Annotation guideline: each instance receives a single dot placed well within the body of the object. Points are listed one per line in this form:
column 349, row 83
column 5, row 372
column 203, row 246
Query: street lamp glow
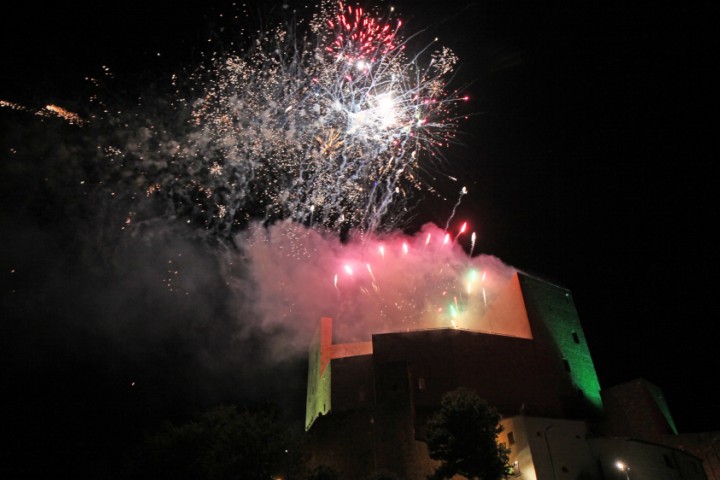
column 623, row 467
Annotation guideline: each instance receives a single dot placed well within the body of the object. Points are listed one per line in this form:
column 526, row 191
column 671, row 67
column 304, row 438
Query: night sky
column 589, row 154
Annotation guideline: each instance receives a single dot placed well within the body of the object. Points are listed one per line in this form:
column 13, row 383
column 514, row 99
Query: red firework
column 358, row 36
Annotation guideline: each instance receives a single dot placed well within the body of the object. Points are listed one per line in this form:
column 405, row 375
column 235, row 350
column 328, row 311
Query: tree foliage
column 222, row 443
column 463, row 436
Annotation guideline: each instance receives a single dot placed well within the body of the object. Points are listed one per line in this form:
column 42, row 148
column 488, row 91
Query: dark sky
column 590, row 160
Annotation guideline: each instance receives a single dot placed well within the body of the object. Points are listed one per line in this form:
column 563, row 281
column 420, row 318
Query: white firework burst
column 329, row 128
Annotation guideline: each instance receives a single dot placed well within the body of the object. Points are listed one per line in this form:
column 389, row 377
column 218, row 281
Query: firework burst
column 360, row 38
column 330, row 128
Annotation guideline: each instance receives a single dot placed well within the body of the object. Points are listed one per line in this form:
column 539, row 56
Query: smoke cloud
column 373, row 284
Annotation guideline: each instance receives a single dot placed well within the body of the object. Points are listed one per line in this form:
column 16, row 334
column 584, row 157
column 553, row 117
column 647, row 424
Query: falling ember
column 13, row 106
column 47, row 111
column 447, row 239
column 370, row 271
column 472, row 243
column 70, row 117
column 405, row 248
column 427, row 240
column 381, row 249
column 335, row 281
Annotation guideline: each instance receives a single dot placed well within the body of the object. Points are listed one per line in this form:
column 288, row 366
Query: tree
column 221, row 444
column 463, row 436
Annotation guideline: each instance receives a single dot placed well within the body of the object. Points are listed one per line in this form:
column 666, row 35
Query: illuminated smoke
column 386, row 283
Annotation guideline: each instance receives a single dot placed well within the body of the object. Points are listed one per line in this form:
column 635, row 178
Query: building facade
column 368, row 402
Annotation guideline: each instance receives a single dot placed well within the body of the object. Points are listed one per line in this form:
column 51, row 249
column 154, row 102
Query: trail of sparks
column 47, row 111
column 463, row 192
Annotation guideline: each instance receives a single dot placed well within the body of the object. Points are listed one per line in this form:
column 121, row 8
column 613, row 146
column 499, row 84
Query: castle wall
column 555, row 324
column 318, row 400
column 382, row 395
column 510, row 373
column 637, row 409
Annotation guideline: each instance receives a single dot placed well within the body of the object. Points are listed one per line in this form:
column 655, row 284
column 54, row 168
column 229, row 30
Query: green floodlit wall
column 318, row 390
column 556, row 309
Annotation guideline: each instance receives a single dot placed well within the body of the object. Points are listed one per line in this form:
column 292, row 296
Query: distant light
column 620, row 465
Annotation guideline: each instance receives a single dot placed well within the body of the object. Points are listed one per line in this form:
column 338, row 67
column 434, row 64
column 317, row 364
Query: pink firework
column 358, row 36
